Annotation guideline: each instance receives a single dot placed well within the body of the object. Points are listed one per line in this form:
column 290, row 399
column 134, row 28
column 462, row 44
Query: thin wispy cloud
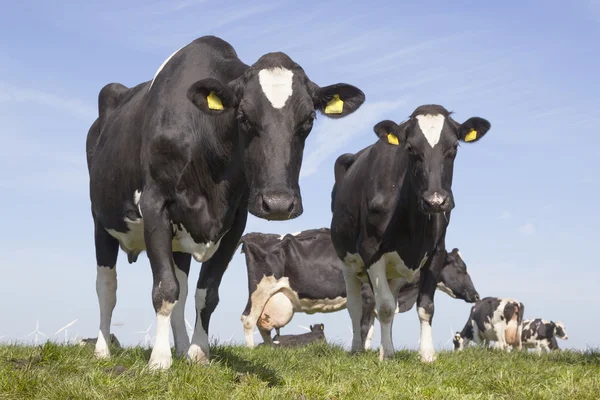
column 14, row 94
column 332, row 135
column 505, row 215
column 527, row 229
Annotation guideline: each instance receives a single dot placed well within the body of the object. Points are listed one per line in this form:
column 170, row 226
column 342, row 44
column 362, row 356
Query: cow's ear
column 389, row 131
column 473, row 129
column 211, row 96
column 337, row 101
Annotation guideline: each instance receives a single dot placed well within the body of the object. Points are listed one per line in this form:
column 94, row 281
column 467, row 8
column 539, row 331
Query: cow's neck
column 212, row 187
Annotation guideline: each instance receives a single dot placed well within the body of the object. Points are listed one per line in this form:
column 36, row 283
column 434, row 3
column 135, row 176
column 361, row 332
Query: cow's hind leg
column 207, row 289
column 107, row 250
column 425, row 304
column 180, row 335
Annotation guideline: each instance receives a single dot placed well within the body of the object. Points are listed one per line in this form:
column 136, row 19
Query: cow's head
column 317, row 328
column 431, row 137
column 274, row 105
column 459, row 342
column 455, row 280
column 559, row 330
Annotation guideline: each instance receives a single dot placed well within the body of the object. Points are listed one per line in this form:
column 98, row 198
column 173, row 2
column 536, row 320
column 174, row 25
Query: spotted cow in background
column 302, row 273
column 541, row 334
column 493, row 319
column 176, row 164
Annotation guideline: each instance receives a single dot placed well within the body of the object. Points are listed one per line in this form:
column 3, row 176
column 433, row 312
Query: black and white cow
column 541, row 334
column 301, row 272
column 208, row 139
column 391, row 206
column 316, row 334
column 493, row 319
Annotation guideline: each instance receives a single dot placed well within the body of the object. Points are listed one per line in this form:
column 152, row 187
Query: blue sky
column 523, row 219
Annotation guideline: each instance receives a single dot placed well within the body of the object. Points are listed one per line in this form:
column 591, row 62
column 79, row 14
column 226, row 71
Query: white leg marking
column 276, row 84
column 199, row 352
column 426, row 349
column 370, row 334
column 354, row 306
column 180, row 336
column 386, row 306
column 249, row 326
column 106, row 289
column 431, row 126
column 161, row 352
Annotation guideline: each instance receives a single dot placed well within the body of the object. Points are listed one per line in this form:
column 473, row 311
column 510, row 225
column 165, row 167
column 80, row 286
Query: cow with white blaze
column 493, row 319
column 176, row 164
column 541, row 335
column 301, row 272
column 391, row 206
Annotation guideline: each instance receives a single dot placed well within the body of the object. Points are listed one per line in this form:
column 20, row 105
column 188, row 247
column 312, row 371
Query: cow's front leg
column 158, row 237
column 385, row 304
column 425, row 305
column 207, row 289
column 354, row 306
column 180, row 335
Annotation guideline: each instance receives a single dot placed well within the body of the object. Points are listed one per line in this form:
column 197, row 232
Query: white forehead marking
column 431, row 126
column 276, row 84
column 162, row 66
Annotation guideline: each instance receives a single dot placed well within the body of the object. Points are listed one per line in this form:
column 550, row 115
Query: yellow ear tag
column 214, row 103
column 393, row 139
column 335, row 106
column 472, row 135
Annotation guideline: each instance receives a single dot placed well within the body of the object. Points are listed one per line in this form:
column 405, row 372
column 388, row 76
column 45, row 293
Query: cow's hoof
column 160, row 361
column 102, row 353
column 197, row 356
column 385, row 355
column 427, row 356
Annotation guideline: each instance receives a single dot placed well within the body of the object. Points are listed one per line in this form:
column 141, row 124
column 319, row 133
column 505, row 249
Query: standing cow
column 541, row 334
column 493, row 319
column 302, row 273
column 391, row 206
column 192, row 151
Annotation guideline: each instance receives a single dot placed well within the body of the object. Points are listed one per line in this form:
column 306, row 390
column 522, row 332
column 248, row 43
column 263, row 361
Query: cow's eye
column 243, row 121
column 411, row 150
column 305, row 127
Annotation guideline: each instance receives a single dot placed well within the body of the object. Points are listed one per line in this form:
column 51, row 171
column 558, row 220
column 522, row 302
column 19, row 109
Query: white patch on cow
column 431, row 126
column 137, row 195
column 426, row 349
column 161, row 352
column 293, row 234
column 385, row 302
column 369, row 337
column 199, row 351
column 106, row 289
column 395, row 266
column 180, row 336
column 276, row 84
column 441, row 286
column 133, row 240
column 561, row 325
column 162, row 66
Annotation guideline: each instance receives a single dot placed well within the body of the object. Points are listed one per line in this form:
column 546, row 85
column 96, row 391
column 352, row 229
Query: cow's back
column 129, row 118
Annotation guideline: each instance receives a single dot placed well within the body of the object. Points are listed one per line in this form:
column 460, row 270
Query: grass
column 318, row 371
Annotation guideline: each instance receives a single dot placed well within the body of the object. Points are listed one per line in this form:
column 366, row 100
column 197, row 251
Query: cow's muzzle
column 277, row 205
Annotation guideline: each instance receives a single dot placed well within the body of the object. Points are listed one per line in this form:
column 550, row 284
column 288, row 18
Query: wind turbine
column 37, row 332
column 146, row 335
column 64, row 328
column 451, row 335
column 304, row 327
